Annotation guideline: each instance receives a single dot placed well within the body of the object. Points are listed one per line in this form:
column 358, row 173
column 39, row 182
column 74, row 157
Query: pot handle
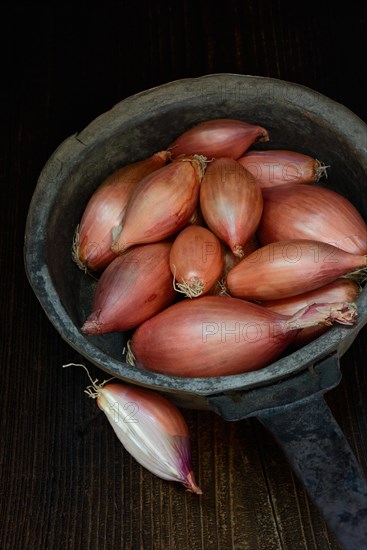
column 323, row 460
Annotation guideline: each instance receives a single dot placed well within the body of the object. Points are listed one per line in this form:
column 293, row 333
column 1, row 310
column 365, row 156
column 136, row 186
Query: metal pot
column 287, row 396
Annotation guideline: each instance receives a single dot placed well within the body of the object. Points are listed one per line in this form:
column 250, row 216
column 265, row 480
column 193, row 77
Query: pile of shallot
column 219, row 256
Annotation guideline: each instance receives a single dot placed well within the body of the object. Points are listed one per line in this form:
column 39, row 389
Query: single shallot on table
column 150, row 428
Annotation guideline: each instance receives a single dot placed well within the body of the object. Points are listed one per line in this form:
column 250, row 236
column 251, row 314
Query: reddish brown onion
column 288, row 268
column 161, row 204
column 218, row 336
column 106, row 209
column 278, row 167
column 134, row 287
column 222, row 137
column 312, row 212
column 196, row 260
column 231, row 203
column 341, row 290
column 150, row 428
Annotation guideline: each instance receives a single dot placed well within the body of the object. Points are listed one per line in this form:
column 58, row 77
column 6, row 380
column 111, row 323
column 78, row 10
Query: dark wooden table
column 66, row 482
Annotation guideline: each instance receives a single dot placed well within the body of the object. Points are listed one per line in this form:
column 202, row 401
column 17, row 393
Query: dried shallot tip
column 289, row 268
column 134, row 287
column 150, row 428
column 218, row 138
column 220, row 336
column 91, row 248
column 231, row 203
column 312, row 212
column 201, row 160
column 196, row 261
column 161, row 205
column 278, row 167
column 192, row 288
column 321, row 170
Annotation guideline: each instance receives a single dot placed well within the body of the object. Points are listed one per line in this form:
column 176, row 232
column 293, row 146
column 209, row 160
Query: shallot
column 277, row 167
column 288, row 268
column 161, row 205
column 341, row 290
column 222, row 137
column 196, row 260
column 106, row 209
column 312, row 212
column 149, row 427
column 231, row 203
column 134, row 287
column 218, row 336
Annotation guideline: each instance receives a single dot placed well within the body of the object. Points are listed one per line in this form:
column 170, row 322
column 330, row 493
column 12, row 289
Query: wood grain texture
column 65, row 481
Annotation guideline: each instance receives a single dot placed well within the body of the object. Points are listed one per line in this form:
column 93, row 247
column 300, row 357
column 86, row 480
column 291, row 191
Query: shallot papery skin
column 221, row 137
column 341, row 290
column 135, row 286
column 106, row 209
column 150, row 428
column 311, row 212
column 161, row 205
column 196, row 261
column 278, row 167
column 231, row 203
column 219, row 336
column 288, row 268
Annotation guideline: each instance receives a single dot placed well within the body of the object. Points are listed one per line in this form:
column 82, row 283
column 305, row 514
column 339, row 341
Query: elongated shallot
column 231, row 203
column 312, row 212
column 161, row 205
column 150, row 428
column 278, row 167
column 218, row 336
column 341, row 290
column 288, row 268
column 134, row 287
column 105, row 210
column 221, row 137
